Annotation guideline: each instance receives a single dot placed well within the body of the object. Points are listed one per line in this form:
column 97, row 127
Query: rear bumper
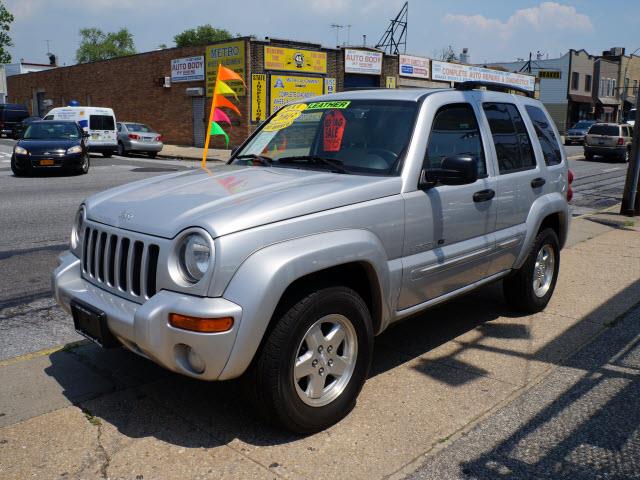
column 616, row 151
column 102, row 148
column 144, row 146
column 144, row 328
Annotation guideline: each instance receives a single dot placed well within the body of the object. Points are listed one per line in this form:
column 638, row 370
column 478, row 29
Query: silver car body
column 272, row 226
column 147, row 141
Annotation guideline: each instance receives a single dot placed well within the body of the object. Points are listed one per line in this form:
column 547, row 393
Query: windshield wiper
column 252, row 156
column 334, row 164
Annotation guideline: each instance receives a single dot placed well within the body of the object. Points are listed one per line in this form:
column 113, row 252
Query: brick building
column 135, row 86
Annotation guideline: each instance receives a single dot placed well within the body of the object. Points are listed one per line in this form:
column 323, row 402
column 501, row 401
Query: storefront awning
column 580, row 98
column 608, row 101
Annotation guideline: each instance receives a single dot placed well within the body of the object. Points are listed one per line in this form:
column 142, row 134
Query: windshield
column 139, row 127
column 355, row 136
column 583, row 124
column 51, row 131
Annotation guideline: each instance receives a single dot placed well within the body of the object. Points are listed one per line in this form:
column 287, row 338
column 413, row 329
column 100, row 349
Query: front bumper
column 574, row 138
column 616, row 151
column 144, row 328
column 59, row 161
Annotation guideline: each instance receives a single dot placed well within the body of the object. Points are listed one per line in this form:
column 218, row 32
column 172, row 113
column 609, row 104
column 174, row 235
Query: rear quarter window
column 608, row 130
column 546, row 135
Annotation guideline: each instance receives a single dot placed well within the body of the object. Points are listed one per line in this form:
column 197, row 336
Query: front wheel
column 626, row 156
column 18, row 171
column 108, row 154
column 315, row 361
column 83, row 168
column 121, row 151
column 588, row 156
column 530, row 288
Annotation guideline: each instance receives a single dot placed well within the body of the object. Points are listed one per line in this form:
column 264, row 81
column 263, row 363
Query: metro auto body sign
column 362, row 61
column 417, row 67
column 188, row 69
column 453, row 72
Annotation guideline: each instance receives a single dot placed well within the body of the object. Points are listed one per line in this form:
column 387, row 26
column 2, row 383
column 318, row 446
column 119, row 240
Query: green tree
column 5, row 40
column 96, row 45
column 202, row 35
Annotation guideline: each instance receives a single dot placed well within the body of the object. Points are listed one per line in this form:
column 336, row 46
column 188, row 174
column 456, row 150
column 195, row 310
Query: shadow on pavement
column 140, row 399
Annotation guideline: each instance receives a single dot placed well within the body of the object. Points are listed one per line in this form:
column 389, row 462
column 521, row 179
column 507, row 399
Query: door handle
column 483, row 195
column 538, row 182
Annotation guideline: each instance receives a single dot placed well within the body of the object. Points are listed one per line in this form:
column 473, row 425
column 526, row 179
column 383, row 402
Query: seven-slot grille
column 120, row 263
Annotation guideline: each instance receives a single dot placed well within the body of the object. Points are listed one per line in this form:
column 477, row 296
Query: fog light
column 195, row 361
column 202, row 325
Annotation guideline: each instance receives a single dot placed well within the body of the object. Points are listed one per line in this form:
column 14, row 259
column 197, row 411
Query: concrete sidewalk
column 194, row 153
column 82, row 412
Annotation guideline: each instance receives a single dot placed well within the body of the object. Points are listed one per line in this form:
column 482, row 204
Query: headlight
column 20, row 151
column 74, row 149
column 76, row 231
column 195, row 257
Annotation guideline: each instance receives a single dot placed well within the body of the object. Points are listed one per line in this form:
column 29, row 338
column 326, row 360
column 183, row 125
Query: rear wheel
column 152, row 154
column 121, row 151
column 530, row 288
column 588, row 156
column 108, row 154
column 315, row 360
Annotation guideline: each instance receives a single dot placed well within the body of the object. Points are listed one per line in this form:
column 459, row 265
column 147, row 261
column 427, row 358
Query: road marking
column 42, row 353
column 612, row 169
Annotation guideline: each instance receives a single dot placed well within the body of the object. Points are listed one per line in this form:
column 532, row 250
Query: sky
column 492, row 30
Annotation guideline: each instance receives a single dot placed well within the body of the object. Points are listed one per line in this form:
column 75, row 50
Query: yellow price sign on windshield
column 285, row 117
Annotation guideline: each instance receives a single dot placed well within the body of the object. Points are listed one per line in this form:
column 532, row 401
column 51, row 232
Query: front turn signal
column 201, row 325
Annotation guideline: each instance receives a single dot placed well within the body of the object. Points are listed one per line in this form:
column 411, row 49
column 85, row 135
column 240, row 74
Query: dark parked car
column 19, row 128
column 51, row 145
column 10, row 115
column 577, row 133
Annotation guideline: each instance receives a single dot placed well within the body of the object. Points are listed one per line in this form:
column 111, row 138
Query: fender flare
column 262, row 279
column 542, row 208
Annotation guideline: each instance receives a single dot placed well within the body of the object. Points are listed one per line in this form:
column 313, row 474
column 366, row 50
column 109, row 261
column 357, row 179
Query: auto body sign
column 189, row 69
column 362, row 61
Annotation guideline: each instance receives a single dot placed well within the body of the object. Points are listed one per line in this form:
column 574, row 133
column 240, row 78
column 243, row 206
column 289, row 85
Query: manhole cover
column 153, row 169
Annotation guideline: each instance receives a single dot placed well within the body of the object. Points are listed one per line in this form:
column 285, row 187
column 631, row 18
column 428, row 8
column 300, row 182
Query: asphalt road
column 36, row 216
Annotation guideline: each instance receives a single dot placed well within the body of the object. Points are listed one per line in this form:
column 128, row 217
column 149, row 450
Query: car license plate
column 600, row 142
column 46, row 163
column 92, row 323
column 95, row 136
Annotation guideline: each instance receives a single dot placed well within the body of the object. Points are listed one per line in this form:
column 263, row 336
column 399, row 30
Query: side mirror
column 85, row 134
column 457, row 170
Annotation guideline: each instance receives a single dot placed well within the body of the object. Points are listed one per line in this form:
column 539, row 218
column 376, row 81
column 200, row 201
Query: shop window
column 587, row 83
column 455, row 132
column 546, row 135
column 510, row 137
column 575, row 80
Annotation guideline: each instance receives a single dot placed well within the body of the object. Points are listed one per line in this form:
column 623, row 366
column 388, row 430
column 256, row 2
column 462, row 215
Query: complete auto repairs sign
column 231, row 55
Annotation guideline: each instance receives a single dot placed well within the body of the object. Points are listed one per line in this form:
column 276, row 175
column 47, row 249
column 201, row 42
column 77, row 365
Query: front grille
column 120, row 263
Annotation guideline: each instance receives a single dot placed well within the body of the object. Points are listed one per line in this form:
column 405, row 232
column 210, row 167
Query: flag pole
column 213, row 107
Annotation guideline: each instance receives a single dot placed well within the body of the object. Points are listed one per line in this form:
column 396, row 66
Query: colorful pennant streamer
column 219, row 100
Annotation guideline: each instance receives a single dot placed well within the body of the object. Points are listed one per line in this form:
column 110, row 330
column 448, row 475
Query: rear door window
column 510, row 137
column 101, row 122
column 455, row 132
column 546, row 136
column 607, row 130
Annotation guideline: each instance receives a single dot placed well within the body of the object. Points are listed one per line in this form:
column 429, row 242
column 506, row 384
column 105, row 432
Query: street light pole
column 630, row 201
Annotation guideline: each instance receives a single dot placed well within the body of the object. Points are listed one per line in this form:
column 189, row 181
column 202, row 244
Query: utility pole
column 630, row 198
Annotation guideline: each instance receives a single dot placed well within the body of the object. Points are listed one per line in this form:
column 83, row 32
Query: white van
column 98, row 122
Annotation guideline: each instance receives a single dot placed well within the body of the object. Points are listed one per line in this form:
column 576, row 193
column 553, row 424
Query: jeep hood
column 230, row 198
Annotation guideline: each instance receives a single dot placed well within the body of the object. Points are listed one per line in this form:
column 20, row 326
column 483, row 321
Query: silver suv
column 609, row 140
column 336, row 218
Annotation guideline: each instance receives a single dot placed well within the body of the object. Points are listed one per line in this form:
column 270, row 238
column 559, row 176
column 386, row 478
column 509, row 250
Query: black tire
column 567, row 142
column 121, row 151
column 270, row 378
column 83, row 168
column 626, row 156
column 17, row 171
column 518, row 287
column 107, row 154
column 588, row 156
column 152, row 154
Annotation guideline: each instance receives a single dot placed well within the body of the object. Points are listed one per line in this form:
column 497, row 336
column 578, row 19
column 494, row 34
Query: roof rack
column 473, row 84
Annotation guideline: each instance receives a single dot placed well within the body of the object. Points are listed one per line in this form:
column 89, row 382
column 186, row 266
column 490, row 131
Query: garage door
column 199, row 132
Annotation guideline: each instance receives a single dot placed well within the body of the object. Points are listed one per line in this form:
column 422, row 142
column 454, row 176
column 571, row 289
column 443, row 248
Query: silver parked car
column 138, row 138
column 609, row 140
column 338, row 217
